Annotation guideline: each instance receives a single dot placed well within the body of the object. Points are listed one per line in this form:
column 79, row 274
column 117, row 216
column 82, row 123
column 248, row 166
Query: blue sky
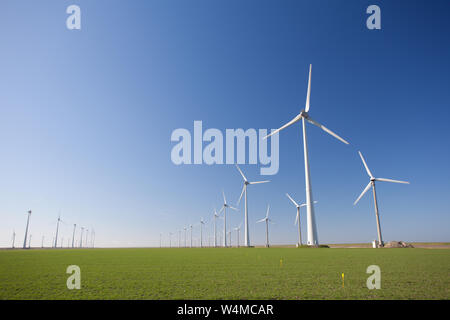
column 86, row 115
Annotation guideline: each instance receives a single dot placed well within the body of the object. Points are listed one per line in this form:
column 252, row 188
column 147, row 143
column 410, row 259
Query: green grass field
column 245, row 273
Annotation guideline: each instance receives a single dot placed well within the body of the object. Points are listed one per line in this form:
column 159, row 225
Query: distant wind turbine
column 216, row 215
column 297, row 218
column 202, row 222
column 224, row 209
column 266, row 220
column 13, row 238
column 81, row 237
column 26, row 230
column 313, row 238
column 191, row 226
column 238, row 229
column 372, row 184
column 244, row 191
column 73, row 235
column 57, row 228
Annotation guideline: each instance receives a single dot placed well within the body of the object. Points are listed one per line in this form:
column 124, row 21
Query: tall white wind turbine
column 267, row 220
column 297, row 218
column 224, row 208
column 372, row 184
column 313, row 238
column 185, row 232
column 191, row 226
column 26, row 230
column 244, row 192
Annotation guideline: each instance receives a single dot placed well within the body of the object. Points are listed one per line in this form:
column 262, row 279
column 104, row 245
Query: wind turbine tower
column 26, row 230
column 313, row 239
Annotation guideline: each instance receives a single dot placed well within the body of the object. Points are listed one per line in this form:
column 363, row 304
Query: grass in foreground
column 208, row 273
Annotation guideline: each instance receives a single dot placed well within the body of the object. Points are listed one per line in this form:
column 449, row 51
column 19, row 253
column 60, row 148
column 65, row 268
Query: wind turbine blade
column 364, row 191
column 256, row 182
column 242, row 174
column 297, row 118
column 326, row 129
column 365, row 165
column 262, row 220
column 242, row 193
column 221, row 209
column 233, row 208
column 224, row 199
column 308, row 94
column 267, row 214
column 390, row 180
column 295, row 203
column 296, row 218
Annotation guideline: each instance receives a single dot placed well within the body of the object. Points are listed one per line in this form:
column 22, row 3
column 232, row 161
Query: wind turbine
column 372, row 184
column 297, row 218
column 216, row 215
column 81, row 237
column 170, row 239
column 238, row 229
column 86, row 241
column 57, row 228
column 244, row 191
column 202, row 222
column 26, row 230
column 267, row 220
column 191, row 226
column 73, row 236
column 224, row 208
column 13, row 238
column 185, row 243
column 304, row 116
column 29, row 243
column 229, row 236
column 42, row 244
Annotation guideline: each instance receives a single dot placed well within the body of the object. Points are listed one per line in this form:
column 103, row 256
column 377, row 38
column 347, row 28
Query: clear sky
column 86, row 116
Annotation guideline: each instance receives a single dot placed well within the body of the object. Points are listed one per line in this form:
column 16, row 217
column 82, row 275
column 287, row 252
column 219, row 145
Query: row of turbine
column 312, row 236
column 88, row 243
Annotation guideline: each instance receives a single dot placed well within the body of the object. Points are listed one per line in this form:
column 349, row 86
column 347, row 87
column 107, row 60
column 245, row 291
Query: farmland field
column 231, row 273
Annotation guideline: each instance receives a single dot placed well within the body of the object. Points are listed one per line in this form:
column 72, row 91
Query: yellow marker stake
column 342, row 280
